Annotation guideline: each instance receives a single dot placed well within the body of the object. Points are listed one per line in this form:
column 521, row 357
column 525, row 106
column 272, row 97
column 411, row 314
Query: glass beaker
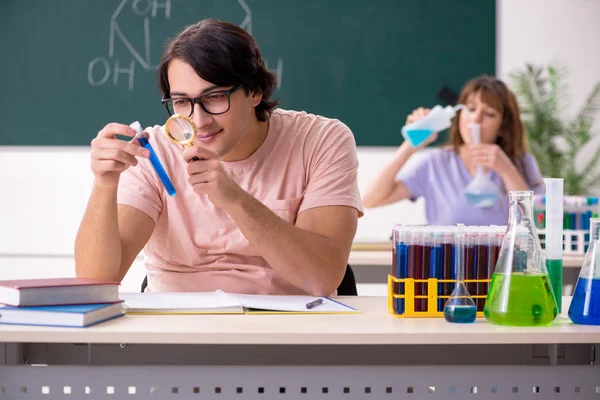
column 520, row 293
column 460, row 307
column 585, row 305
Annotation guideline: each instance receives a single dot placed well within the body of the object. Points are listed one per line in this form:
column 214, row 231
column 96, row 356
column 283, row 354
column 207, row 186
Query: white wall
column 47, row 193
column 45, row 190
column 547, row 31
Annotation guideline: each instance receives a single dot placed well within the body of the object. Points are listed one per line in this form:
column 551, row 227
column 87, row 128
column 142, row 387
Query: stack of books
column 70, row 302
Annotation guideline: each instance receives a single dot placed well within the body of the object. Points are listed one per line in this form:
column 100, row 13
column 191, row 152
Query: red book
column 58, row 291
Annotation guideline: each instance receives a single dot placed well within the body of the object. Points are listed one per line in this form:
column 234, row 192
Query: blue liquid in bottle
column 418, row 136
column 460, row 314
column 162, row 174
column 585, row 306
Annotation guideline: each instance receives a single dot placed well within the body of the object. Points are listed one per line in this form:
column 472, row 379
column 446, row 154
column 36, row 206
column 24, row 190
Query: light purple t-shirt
column 440, row 176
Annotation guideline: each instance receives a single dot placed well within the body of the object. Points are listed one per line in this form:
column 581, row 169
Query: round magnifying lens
column 181, row 130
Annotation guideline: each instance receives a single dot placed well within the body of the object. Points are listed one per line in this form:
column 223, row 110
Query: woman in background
column 441, row 175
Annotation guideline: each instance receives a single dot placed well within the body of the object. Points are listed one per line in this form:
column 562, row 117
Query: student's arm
column 385, row 189
column 110, row 236
column 312, row 252
column 512, row 179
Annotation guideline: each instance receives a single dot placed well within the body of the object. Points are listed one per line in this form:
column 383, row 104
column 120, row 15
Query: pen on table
column 314, row 303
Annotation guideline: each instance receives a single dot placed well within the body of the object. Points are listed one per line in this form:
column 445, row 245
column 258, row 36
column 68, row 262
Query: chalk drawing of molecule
column 101, row 69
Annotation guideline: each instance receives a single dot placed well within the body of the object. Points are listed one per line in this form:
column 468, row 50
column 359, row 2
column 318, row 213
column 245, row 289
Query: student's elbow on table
column 95, row 274
column 326, row 287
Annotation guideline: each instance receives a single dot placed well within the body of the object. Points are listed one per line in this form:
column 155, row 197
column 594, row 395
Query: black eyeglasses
column 213, row 103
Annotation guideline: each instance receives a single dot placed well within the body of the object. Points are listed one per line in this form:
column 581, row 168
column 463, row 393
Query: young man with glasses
column 267, row 199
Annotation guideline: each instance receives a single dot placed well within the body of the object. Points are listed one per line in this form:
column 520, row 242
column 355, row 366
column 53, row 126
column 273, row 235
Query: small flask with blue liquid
column 460, row 307
column 585, row 305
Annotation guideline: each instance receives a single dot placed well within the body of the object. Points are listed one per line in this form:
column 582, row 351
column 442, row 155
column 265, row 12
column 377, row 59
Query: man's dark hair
column 225, row 55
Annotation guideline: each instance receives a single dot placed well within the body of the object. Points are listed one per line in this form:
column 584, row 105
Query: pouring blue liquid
column 418, row 136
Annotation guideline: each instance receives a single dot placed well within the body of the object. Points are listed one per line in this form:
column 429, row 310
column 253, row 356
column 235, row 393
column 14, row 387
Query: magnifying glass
column 181, row 130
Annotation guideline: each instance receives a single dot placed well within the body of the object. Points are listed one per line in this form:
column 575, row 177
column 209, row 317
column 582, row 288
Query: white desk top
column 374, row 326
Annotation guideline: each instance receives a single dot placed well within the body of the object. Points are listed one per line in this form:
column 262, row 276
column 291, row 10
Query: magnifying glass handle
column 187, row 146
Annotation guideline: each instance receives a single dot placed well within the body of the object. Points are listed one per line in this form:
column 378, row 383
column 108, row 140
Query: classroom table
column 369, row 355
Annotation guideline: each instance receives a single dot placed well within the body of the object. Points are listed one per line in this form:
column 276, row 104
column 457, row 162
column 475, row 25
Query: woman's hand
column 489, row 156
column 415, row 116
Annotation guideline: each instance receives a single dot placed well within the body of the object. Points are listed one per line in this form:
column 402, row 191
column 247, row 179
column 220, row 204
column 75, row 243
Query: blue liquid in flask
column 482, row 199
column 460, row 307
column 585, row 306
column 460, row 314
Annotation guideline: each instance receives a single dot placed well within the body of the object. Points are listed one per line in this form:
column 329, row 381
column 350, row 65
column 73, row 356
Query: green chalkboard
column 71, row 66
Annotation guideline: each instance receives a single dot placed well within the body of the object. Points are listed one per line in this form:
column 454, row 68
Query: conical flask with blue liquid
column 460, row 307
column 585, row 305
column 520, row 293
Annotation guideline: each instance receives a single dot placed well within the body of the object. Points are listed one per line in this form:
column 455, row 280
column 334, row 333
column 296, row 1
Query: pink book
column 58, row 291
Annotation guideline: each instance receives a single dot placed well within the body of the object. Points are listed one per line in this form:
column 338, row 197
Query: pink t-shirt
column 306, row 161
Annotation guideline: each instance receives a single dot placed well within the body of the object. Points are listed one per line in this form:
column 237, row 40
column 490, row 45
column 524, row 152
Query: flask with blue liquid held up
column 438, row 119
column 481, row 192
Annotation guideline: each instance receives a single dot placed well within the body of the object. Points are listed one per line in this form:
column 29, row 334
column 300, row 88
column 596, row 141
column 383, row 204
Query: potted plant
column 555, row 140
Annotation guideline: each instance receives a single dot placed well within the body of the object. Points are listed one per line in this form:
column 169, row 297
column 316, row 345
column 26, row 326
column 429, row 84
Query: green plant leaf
column 542, row 93
column 591, row 106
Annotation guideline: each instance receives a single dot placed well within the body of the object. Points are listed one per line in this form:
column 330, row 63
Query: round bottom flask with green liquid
column 520, row 293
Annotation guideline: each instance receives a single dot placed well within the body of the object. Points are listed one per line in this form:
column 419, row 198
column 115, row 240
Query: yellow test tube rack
column 432, row 296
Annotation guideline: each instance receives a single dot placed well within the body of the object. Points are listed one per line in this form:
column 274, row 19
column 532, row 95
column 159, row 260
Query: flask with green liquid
column 520, row 293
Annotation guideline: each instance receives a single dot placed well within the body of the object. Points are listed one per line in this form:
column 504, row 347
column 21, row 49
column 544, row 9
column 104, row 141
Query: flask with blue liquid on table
column 585, row 305
column 460, row 307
